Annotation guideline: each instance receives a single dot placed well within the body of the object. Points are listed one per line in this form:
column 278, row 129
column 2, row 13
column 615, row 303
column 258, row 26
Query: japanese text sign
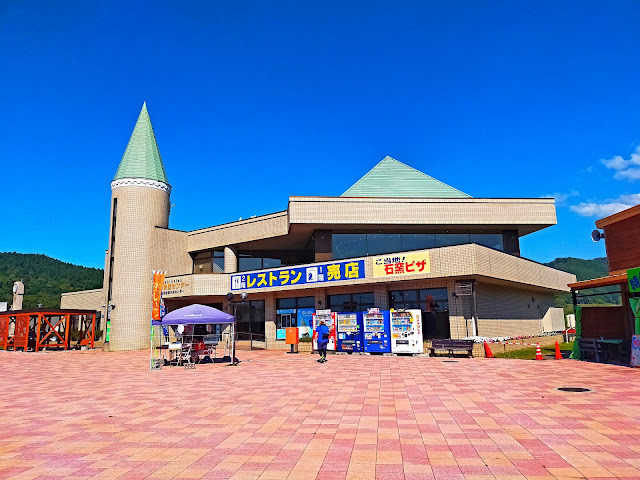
column 284, row 277
column 397, row 264
column 633, row 276
column 158, row 281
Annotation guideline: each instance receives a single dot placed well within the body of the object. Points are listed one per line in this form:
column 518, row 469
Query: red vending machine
column 329, row 319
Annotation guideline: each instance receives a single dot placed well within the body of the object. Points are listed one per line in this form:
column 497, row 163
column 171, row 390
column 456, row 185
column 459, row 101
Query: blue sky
column 252, row 102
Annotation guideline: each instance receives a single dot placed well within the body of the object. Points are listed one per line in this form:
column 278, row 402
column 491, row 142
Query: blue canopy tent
column 196, row 315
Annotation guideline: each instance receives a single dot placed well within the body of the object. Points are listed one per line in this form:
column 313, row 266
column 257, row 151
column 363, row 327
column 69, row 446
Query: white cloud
column 625, row 169
column 608, row 207
column 628, row 174
column 561, row 198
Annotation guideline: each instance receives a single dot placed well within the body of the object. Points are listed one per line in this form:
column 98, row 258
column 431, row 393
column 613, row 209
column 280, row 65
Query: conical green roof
column 142, row 158
column 391, row 178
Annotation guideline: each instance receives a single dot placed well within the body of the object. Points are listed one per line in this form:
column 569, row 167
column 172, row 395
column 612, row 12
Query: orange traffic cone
column 558, row 354
column 487, row 351
column 538, row 352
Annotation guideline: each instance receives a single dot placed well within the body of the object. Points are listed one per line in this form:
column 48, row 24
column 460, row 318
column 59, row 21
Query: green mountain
column 44, row 278
column 586, row 270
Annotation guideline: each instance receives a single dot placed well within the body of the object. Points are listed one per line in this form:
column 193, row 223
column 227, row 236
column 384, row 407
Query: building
column 614, row 321
column 396, row 239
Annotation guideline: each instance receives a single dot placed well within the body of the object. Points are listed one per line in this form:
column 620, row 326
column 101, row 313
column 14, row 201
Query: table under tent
column 191, row 335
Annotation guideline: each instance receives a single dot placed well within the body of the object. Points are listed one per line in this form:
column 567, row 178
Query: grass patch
column 530, row 353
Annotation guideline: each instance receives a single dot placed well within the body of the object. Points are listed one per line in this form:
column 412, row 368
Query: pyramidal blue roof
column 391, row 178
column 142, row 157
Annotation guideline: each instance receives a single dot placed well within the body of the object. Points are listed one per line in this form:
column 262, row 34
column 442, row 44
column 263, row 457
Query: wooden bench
column 452, row 346
column 590, row 349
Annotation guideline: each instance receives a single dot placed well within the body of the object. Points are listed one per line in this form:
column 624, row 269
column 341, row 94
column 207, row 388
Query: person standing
column 322, row 332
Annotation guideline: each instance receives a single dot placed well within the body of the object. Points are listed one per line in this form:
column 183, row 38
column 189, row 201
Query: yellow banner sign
column 398, row 264
column 158, row 281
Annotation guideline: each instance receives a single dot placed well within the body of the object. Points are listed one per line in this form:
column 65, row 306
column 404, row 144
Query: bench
column 452, row 346
column 590, row 349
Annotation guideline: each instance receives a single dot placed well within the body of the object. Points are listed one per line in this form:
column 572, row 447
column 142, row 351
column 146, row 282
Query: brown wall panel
column 621, row 241
column 607, row 322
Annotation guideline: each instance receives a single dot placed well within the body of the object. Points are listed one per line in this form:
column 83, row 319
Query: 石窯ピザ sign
column 399, row 264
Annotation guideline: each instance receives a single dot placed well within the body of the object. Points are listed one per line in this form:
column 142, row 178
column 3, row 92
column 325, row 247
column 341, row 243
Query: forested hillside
column 586, row 270
column 44, row 278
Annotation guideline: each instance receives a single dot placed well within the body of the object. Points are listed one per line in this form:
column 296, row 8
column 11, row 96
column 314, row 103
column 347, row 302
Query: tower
column 139, row 203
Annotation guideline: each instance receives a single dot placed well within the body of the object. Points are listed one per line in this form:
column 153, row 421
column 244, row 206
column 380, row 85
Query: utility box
column 291, row 337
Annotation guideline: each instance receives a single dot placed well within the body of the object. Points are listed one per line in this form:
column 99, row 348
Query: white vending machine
column 406, row 331
column 330, row 321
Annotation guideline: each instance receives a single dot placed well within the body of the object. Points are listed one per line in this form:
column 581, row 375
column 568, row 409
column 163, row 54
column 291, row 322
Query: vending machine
column 377, row 331
column 349, row 332
column 406, row 331
column 329, row 319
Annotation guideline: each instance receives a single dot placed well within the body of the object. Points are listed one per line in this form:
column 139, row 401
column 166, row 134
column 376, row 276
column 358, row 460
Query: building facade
column 397, row 238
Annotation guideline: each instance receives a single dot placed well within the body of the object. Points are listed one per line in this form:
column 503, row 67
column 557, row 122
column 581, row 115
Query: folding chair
column 186, row 358
column 175, row 353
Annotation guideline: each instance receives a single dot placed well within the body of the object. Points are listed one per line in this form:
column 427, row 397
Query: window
column 351, row 302
column 434, row 304
column 449, row 239
column 218, row 262
column 349, row 245
column 250, row 317
column 294, row 312
column 263, row 259
column 379, row 243
column 208, row 262
column 418, row 241
column 491, row 240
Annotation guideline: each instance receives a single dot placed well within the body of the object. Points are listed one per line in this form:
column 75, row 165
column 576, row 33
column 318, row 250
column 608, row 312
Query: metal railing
column 251, row 341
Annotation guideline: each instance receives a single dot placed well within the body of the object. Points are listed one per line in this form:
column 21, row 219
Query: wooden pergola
column 51, row 328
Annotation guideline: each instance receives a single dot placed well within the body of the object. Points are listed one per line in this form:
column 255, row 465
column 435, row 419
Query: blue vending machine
column 377, row 331
column 349, row 332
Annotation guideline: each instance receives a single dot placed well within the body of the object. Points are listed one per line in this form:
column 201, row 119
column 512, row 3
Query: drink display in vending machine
column 377, row 338
column 406, row 331
column 330, row 321
column 349, row 332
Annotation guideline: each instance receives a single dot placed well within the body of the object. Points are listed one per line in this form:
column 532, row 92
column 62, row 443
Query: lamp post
column 230, row 301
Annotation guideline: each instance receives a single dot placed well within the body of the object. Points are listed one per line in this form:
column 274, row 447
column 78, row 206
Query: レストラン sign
column 331, row 272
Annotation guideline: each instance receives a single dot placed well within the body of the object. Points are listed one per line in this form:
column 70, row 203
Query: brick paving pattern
column 78, row 415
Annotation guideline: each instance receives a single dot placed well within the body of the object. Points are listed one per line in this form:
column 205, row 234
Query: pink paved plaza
column 91, row 414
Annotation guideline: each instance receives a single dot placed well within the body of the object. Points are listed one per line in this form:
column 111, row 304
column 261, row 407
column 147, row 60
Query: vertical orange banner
column 158, row 282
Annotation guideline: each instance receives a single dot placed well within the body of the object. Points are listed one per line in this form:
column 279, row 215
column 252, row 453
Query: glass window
column 285, row 303
column 378, row 243
column 492, row 240
column 448, row 239
column 271, row 262
column 418, row 241
column 248, row 262
column 349, row 245
column 434, row 304
column 306, row 302
column 218, row 262
column 257, row 316
column 356, row 302
column 202, row 263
